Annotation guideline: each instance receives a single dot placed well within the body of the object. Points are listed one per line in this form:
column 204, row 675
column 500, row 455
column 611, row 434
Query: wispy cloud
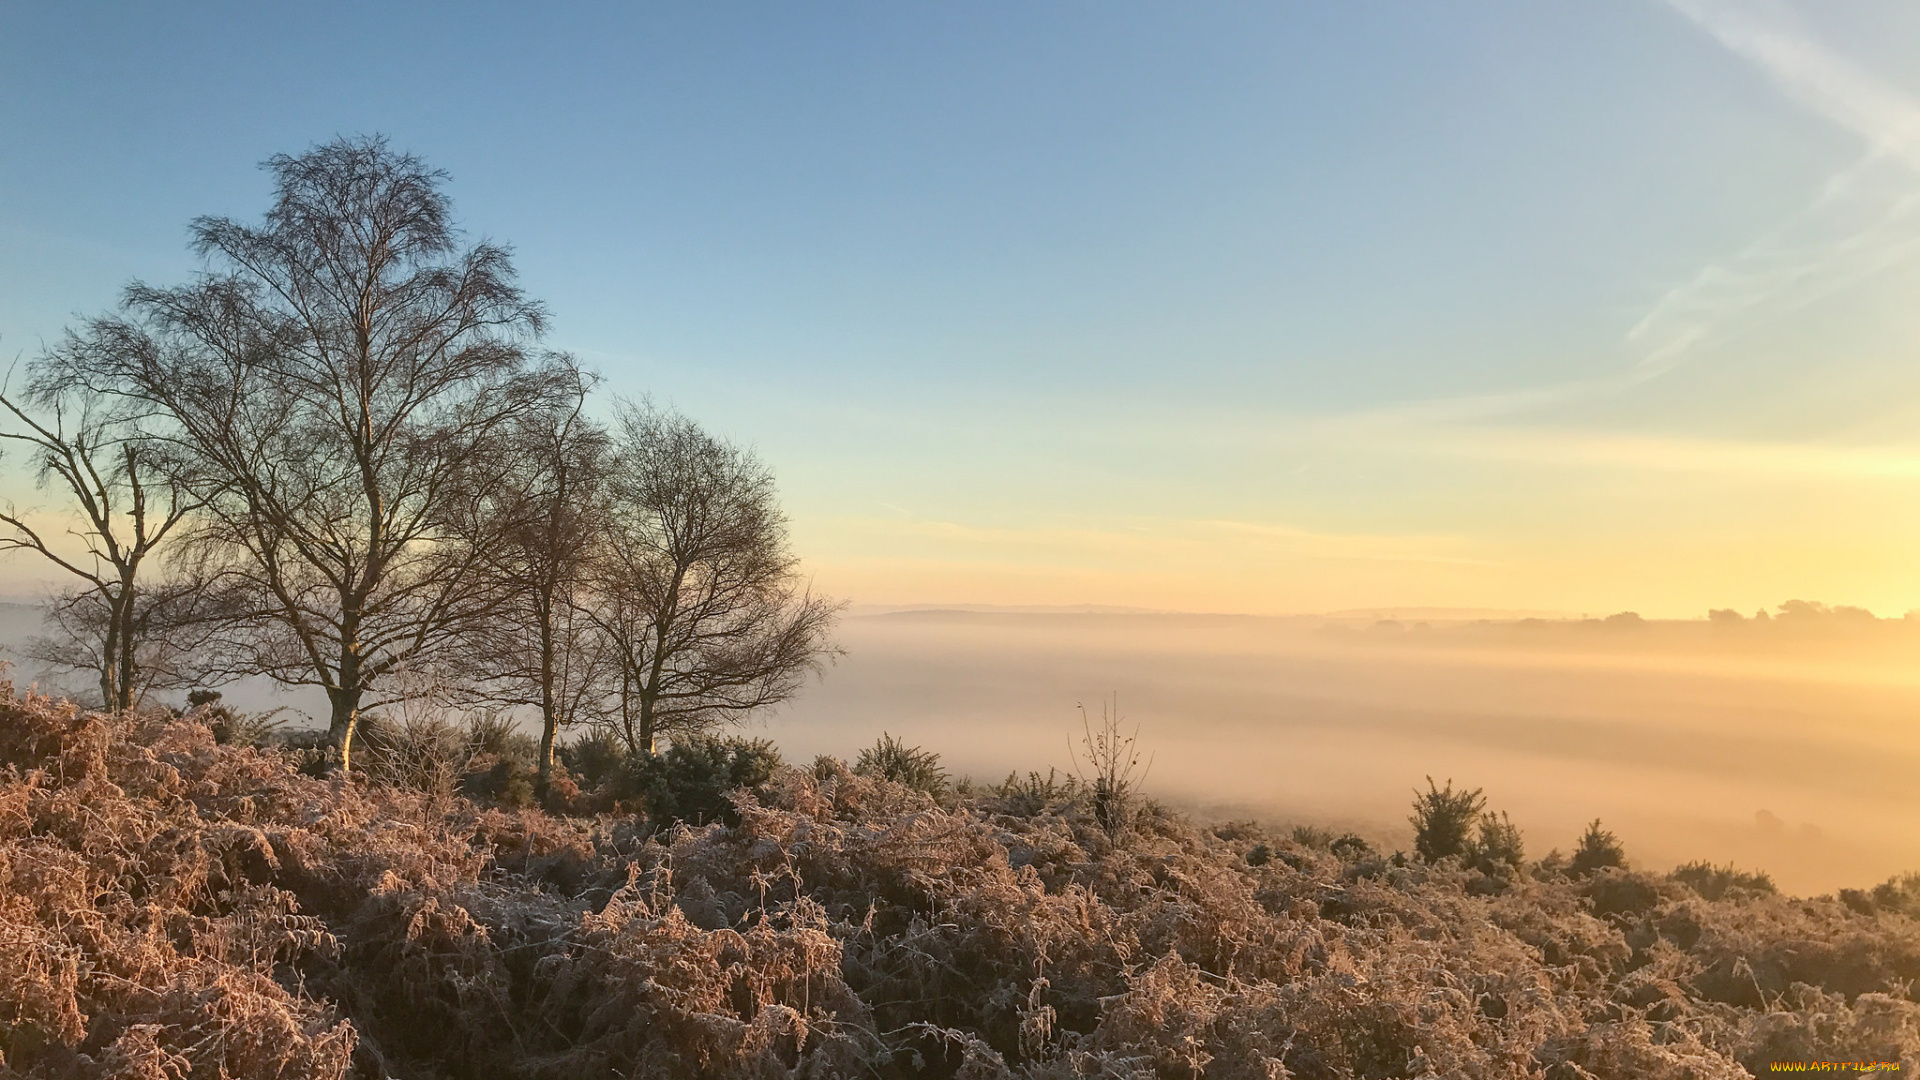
column 1861, row 222
column 1813, row 74
column 1864, row 220
column 1822, row 250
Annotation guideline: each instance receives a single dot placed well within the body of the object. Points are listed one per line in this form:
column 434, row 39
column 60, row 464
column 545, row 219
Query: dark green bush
column 597, row 757
column 1896, row 895
column 1599, row 849
column 229, row 725
column 1237, row 830
column 495, row 733
column 691, row 781
column 1717, row 882
column 1032, row 796
column 1552, row 865
column 307, row 748
column 1497, row 850
column 1313, row 836
column 891, row 759
column 1351, row 848
column 1622, row 893
column 1443, row 820
column 509, row 783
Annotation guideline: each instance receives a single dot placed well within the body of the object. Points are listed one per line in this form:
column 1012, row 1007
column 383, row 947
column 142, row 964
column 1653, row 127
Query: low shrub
column 1898, row 895
column 694, row 780
column 1496, row 849
column 1622, row 894
column 427, row 753
column 506, row 782
column 496, row 734
column 596, row 757
column 1114, row 769
column 1718, row 882
column 1443, row 820
column 1034, row 794
column 1598, row 850
column 1351, row 848
column 891, row 759
column 231, row 726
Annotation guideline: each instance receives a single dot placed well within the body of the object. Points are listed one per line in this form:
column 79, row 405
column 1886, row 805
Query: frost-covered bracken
column 170, row 908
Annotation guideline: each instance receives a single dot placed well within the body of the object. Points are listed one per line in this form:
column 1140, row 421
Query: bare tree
column 699, row 597
column 536, row 531
column 335, row 384
column 167, row 624
column 127, row 507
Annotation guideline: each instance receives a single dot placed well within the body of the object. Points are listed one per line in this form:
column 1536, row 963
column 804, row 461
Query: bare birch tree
column 336, row 381
column 536, row 531
column 699, row 596
column 126, row 506
column 169, row 621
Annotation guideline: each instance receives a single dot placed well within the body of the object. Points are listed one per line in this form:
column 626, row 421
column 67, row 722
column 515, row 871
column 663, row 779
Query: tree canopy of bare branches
column 537, row 531
column 127, row 506
column 699, row 597
column 335, row 385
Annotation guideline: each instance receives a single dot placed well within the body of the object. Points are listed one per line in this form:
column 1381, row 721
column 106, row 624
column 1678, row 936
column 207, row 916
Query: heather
column 174, row 904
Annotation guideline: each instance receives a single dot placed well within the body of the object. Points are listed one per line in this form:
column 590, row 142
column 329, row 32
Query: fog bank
column 1790, row 746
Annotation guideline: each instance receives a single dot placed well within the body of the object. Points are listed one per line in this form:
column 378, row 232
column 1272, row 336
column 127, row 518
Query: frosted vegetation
column 175, row 902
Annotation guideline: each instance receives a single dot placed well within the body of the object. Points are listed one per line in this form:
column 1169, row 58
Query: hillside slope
column 170, row 907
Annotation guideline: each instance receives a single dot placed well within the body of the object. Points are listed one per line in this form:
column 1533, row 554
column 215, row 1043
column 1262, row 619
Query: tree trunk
column 125, row 660
column 650, row 689
column 549, row 709
column 345, row 692
column 345, row 696
column 626, row 708
column 110, row 657
column 549, row 725
column 646, row 723
column 543, row 778
column 123, row 679
column 344, row 723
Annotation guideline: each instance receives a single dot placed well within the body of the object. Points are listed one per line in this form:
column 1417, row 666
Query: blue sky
column 1283, row 307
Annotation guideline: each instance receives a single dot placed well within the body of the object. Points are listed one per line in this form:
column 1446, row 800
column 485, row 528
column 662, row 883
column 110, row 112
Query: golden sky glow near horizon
column 1663, row 540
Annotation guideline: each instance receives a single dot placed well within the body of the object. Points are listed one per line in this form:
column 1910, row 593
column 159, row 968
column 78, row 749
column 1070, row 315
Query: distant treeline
column 1791, row 614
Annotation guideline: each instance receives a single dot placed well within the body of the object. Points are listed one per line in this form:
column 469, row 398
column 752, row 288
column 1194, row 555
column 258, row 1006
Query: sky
column 1583, row 307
